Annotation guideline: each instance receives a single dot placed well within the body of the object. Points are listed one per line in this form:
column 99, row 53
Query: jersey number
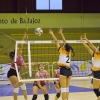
column 68, row 60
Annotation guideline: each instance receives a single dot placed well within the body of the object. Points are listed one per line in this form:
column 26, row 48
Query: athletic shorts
column 65, row 71
column 96, row 74
column 41, row 83
column 11, row 72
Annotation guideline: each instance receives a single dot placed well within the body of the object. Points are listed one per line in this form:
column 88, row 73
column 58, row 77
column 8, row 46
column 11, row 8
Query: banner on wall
column 80, row 68
column 43, row 20
column 3, row 71
column 48, row 20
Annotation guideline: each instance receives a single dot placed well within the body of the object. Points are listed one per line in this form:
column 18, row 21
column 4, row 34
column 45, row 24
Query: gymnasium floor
column 79, row 90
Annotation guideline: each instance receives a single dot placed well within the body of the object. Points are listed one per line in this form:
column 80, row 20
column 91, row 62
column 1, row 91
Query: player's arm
column 48, row 81
column 86, row 46
column 24, row 37
column 38, row 82
column 90, row 44
column 34, row 63
column 54, row 75
column 25, row 65
column 54, row 38
column 47, row 76
column 62, row 35
column 21, row 45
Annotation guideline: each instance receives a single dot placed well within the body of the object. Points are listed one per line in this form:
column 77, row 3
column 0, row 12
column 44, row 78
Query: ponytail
column 12, row 54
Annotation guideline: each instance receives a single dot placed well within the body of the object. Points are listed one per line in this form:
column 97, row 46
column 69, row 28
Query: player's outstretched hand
column 50, row 31
column 60, row 31
column 34, row 63
column 85, row 36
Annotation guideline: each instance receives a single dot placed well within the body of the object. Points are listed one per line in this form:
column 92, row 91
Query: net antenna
column 27, row 23
column 81, row 59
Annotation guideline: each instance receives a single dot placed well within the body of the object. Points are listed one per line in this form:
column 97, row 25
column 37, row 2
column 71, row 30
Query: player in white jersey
column 41, row 73
column 64, row 63
column 95, row 53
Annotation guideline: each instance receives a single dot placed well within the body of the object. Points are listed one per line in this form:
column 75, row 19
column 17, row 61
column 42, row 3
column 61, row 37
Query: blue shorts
column 65, row 71
column 96, row 74
column 11, row 72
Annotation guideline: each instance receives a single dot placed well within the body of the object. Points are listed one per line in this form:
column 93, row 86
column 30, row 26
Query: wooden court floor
column 88, row 95
column 72, row 96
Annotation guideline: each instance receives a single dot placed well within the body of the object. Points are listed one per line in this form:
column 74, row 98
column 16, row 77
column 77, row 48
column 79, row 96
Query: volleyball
column 38, row 31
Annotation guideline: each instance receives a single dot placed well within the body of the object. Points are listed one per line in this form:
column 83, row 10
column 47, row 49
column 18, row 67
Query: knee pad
column 34, row 97
column 96, row 91
column 58, row 95
column 63, row 90
column 46, row 96
column 16, row 90
column 23, row 87
column 67, row 89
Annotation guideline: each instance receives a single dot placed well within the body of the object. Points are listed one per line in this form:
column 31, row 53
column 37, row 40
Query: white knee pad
column 16, row 90
column 67, row 89
column 63, row 90
column 23, row 87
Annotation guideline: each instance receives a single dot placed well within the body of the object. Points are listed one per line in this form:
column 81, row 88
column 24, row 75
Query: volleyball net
column 45, row 52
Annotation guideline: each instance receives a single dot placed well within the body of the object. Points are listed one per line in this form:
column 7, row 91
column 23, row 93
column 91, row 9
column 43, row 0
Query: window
column 55, row 4
column 42, row 4
column 48, row 4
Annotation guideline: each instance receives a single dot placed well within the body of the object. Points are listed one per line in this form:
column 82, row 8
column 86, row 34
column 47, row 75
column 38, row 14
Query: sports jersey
column 57, row 72
column 96, row 62
column 41, row 76
column 19, row 62
column 64, row 58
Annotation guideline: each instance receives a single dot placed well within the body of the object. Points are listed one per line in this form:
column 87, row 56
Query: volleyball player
column 12, row 75
column 57, row 83
column 64, row 63
column 95, row 53
column 40, row 74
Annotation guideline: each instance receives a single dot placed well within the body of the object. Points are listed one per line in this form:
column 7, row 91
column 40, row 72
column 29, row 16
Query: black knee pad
column 46, row 96
column 34, row 97
column 96, row 91
column 58, row 95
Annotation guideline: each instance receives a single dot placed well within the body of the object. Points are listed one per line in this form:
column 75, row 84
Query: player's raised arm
column 23, row 38
column 89, row 43
column 19, row 52
column 61, row 33
column 54, row 38
column 86, row 46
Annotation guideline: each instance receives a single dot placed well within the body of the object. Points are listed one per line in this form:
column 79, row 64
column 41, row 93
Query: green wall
column 74, row 25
